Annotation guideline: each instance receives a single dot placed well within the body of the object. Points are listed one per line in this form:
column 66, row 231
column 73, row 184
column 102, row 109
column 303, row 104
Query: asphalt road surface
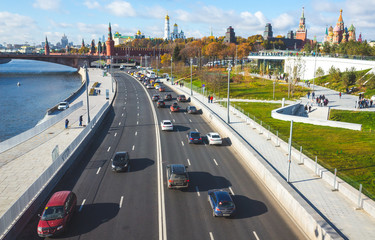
column 137, row 204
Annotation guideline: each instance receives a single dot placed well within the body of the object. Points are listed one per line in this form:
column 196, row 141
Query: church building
column 340, row 33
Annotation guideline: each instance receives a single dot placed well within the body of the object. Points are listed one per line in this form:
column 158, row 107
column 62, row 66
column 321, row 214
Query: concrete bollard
column 334, row 181
column 316, row 166
column 261, row 128
column 300, row 157
column 269, row 133
column 359, row 206
column 277, row 139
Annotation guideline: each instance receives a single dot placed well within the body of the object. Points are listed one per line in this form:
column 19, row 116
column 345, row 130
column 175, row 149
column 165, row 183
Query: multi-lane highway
column 137, row 205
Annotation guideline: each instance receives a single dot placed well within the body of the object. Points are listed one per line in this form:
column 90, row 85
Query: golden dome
column 166, row 17
column 175, row 24
column 138, row 32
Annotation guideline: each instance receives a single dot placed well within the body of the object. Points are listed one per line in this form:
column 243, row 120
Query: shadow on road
column 139, row 164
column 205, row 181
column 246, row 207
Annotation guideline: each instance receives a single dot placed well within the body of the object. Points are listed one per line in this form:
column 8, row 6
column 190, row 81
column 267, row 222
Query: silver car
column 214, row 138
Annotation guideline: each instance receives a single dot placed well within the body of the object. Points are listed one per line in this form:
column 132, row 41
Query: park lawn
column 351, row 152
column 367, row 119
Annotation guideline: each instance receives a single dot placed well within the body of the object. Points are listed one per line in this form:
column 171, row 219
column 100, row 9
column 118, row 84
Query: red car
column 161, row 89
column 175, row 107
column 57, row 213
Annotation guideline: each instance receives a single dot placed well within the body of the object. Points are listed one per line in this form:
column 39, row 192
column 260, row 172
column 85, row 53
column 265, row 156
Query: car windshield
column 51, row 213
column 119, row 159
column 195, row 135
column 167, row 123
column 192, row 108
column 215, row 136
column 226, row 204
column 62, row 104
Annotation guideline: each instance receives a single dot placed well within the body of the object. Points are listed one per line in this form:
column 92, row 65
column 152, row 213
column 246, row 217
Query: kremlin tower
column 46, row 47
column 302, row 32
column 110, row 43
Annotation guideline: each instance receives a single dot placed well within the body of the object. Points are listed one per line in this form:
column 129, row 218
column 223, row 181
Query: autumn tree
column 165, row 60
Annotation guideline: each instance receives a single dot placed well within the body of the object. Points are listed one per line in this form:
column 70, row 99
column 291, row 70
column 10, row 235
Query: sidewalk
column 21, row 165
column 354, row 224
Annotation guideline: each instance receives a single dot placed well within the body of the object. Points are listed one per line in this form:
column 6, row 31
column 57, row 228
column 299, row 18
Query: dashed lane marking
column 109, row 148
column 119, row 123
column 211, row 236
column 215, row 162
column 121, row 199
column 133, row 147
column 174, row 120
column 83, row 203
column 137, row 122
column 136, row 133
column 115, row 134
column 182, row 143
column 188, row 161
column 255, row 234
column 196, row 130
column 197, row 189
column 122, row 115
column 97, row 172
column 190, row 120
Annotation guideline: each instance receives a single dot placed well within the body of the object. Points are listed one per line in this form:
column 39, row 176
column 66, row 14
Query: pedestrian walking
column 313, row 95
column 308, row 94
column 212, row 98
column 340, row 95
column 66, row 123
column 80, row 120
column 209, row 98
column 99, row 91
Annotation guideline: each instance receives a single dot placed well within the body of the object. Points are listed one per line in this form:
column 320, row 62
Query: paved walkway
column 354, row 224
column 24, row 163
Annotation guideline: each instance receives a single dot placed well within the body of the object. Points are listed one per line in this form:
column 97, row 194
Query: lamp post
column 191, row 77
column 316, row 49
column 290, row 149
column 229, row 69
column 171, row 70
column 87, row 93
column 112, row 73
column 274, row 83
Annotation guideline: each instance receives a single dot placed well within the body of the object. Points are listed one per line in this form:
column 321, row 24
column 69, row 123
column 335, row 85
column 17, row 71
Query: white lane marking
column 122, row 115
column 184, row 112
column 136, row 133
column 216, row 162
column 190, row 120
column 211, row 236
column 83, row 203
column 196, row 188
column 124, row 108
column 170, row 113
column 115, row 134
column 122, row 199
column 255, row 234
column 230, row 189
column 97, row 172
column 119, row 123
column 133, row 147
column 137, row 122
column 174, row 120
column 196, row 130
column 188, row 161
column 109, row 148
column 138, row 107
column 138, row 114
column 182, row 143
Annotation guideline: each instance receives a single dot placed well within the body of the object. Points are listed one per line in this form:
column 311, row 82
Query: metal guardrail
column 12, row 215
column 20, row 138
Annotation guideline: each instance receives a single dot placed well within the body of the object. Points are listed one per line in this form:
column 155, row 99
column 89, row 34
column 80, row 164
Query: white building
column 166, row 28
column 172, row 35
column 175, row 34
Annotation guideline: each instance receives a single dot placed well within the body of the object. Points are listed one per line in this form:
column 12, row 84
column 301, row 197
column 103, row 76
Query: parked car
column 155, row 97
column 168, row 97
column 120, row 161
column 160, row 103
column 221, row 203
column 214, row 138
column 194, row 137
column 177, row 176
column 175, row 107
column 161, row 89
column 63, row 105
column 191, row 109
column 57, row 213
column 166, row 125
column 181, row 98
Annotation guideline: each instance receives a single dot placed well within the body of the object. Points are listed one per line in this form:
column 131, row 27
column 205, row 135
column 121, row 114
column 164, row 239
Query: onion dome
column 336, row 29
column 351, row 28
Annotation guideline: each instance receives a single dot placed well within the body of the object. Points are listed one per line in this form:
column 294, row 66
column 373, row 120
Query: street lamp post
column 191, row 77
column 274, row 83
column 316, row 49
column 290, row 150
column 87, row 94
column 171, row 70
column 112, row 73
column 229, row 69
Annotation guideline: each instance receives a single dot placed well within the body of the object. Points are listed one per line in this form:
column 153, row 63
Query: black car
column 177, row 176
column 155, row 97
column 168, row 97
column 161, row 104
column 194, row 137
column 191, row 109
column 120, row 161
column 181, row 98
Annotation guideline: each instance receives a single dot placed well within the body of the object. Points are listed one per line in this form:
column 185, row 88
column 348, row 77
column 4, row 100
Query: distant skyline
column 31, row 21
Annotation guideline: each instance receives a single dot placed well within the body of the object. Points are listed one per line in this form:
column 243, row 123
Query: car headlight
column 59, row 227
column 39, row 229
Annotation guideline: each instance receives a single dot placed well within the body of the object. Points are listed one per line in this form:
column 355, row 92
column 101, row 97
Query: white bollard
column 359, row 207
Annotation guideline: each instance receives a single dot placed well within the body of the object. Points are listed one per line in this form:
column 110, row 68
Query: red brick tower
column 302, row 32
column 46, row 48
column 110, row 43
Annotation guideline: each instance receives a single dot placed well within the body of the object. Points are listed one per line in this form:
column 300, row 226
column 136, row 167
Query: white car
column 214, row 138
column 166, row 125
column 157, row 87
column 63, row 105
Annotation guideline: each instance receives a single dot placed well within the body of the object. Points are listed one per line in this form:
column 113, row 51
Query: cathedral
column 340, row 33
column 172, row 35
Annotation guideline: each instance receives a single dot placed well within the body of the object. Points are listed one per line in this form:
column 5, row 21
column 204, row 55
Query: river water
column 42, row 86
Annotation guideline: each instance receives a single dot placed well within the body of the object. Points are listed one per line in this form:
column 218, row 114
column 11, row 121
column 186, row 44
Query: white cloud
column 16, row 28
column 284, row 22
column 121, row 9
column 157, row 12
column 91, row 4
column 47, row 4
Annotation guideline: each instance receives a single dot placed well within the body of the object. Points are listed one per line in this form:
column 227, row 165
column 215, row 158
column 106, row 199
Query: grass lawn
column 351, row 152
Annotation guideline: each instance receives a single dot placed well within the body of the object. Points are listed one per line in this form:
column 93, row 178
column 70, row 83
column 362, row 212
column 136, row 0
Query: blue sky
column 30, row 21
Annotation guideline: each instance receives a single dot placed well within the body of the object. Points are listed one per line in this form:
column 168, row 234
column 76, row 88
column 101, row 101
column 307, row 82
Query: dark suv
column 120, row 161
column 177, row 176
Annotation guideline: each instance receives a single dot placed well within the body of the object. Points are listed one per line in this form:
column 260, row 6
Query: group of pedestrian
column 80, row 120
column 321, row 100
column 210, row 99
column 181, row 83
column 363, row 103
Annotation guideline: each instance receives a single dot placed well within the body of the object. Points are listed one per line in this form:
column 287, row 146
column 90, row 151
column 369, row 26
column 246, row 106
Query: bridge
column 127, row 56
